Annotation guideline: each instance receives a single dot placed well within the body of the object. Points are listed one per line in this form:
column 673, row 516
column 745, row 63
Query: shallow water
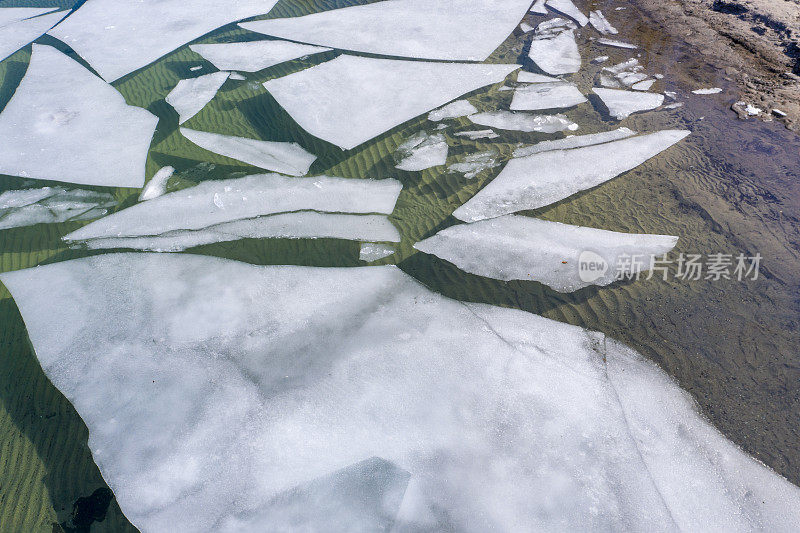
column 730, row 187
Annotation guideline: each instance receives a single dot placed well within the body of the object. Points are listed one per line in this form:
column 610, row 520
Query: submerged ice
column 421, row 151
column 49, row 205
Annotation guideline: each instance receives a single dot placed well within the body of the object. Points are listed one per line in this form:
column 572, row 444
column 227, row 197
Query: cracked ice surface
column 350, row 99
column 547, row 177
column 66, row 124
column 117, row 37
column 423, row 29
column 253, row 56
column 292, row 374
column 17, row 30
column 515, row 247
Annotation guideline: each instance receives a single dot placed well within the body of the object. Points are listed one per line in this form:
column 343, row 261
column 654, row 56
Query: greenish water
column 732, row 345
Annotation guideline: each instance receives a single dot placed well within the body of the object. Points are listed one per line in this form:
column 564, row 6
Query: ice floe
column 117, row 37
column 216, row 202
column 372, row 251
column 567, row 8
column 17, row 30
column 459, row 108
column 477, row 134
column 349, row 100
column 253, row 56
column 284, row 157
column 514, row 247
column 190, row 96
column 547, row 177
column 539, row 8
column 66, row 124
column 421, row 151
column 552, row 95
column 601, row 23
column 553, row 27
column 525, row 27
column 574, row 141
column 157, row 185
column 295, row 374
column 712, row 90
column 621, row 104
column 556, row 55
column 643, row 85
column 616, row 44
column 532, row 77
column 509, row 120
column 424, row 29
column 600, row 59
column 49, row 205
column 474, row 164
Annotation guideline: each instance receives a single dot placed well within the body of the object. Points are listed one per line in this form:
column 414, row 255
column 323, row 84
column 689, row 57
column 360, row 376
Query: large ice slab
column 420, row 151
column 566, row 7
column 253, row 56
column 216, row 202
column 117, row 37
column 509, row 120
column 293, row 373
column 66, row 124
column 191, row 95
column 514, row 247
column 424, row 29
column 49, row 205
column 18, row 32
column 552, row 95
column 350, row 99
column 547, row 177
column 284, row 157
column 621, row 104
column 556, row 55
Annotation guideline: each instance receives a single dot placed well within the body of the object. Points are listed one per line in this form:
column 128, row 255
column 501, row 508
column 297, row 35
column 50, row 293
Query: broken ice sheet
column 284, row 157
column 215, row 202
column 509, row 120
column 372, row 251
column 190, row 96
column 423, row 29
column 50, row 205
column 252, row 56
column 552, row 95
column 292, row 373
column 421, row 151
column 566, row 7
column 539, row 8
column 157, row 186
column 544, row 178
column 600, row 23
column 459, row 108
column 66, row 124
column 712, row 90
column 643, row 85
column 10, row 15
column 350, row 99
column 117, row 37
column 574, row 141
column 615, row 43
column 477, row 134
column 621, row 104
column 473, row 164
column 532, row 77
column 514, row 247
column 556, row 55
column 17, row 30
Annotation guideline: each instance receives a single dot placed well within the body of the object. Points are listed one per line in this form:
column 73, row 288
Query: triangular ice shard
column 66, row 124
column 563, row 257
column 621, row 104
column 574, row 141
column 117, row 37
column 547, row 177
column 566, row 7
column 350, row 99
column 213, row 389
column 18, row 33
column 253, row 56
column 190, row 96
column 424, row 29
column 552, row 95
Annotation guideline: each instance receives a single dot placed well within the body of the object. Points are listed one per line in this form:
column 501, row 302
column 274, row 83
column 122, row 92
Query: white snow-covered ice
column 459, row 108
column 421, row 151
column 556, row 55
column 711, row 90
column 157, row 186
column 621, row 104
column 532, row 77
column 552, row 95
column 191, row 95
column 252, row 56
column 17, row 29
column 574, row 141
column 566, row 7
column 616, row 44
column 509, row 120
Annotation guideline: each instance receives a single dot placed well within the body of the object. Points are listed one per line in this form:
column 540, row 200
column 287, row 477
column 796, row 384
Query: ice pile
column 19, row 26
column 230, row 397
column 190, row 96
column 253, row 56
column 515, row 247
column 66, row 124
column 420, row 151
column 49, row 205
column 259, row 206
column 621, row 75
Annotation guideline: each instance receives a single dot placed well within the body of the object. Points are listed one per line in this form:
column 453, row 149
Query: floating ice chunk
column 117, row 37
column 610, row 81
column 622, row 104
column 66, row 124
column 601, row 23
column 295, row 225
column 509, row 120
column 157, row 185
column 50, row 205
column 371, row 251
column 253, row 56
column 515, row 247
column 574, row 141
column 284, row 157
column 236, row 76
column 643, row 85
column 600, row 59
column 215, row 202
column 566, row 7
column 630, row 78
column 190, row 96
column 546, row 96
column 674, row 105
column 20, row 32
column 544, row 178
column 459, row 108
column 554, row 26
column 672, row 95
column 477, row 134
column 712, row 90
column 531, row 77
column 290, row 373
column 424, row 29
column 557, row 55
column 10, row 15
column 539, row 8
column 525, row 27
column 422, row 151
column 350, row 99
column 361, row 498
column 616, row 44
column 658, row 76
column 474, row 164
column 630, row 65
